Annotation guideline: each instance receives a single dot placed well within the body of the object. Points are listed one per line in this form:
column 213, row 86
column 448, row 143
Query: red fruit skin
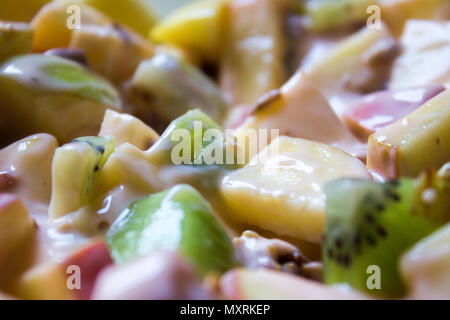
column 379, row 109
column 163, row 275
column 7, row 180
column 91, row 259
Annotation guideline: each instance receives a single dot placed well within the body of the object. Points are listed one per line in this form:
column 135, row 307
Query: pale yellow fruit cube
column 426, row 266
column 282, row 190
column 127, row 129
column 197, row 26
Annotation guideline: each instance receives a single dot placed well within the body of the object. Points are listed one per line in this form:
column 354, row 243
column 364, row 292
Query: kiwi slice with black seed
column 103, row 146
column 372, row 224
column 74, row 170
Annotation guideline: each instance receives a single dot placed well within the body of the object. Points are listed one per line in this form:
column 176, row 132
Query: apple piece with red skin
column 417, row 142
column 379, row 109
column 50, row 280
column 91, row 259
column 17, row 229
column 161, row 275
column 243, row 284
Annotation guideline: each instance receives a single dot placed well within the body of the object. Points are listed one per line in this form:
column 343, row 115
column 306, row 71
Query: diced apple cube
column 15, row 39
column 415, row 143
column 425, row 55
column 16, row 232
column 47, row 281
column 299, row 110
column 242, row 284
column 161, row 275
column 379, row 109
column 426, row 266
column 50, row 24
column 91, row 259
column 112, row 51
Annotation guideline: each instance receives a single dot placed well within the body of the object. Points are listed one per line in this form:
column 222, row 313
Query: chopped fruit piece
column 20, row 11
column 103, row 145
column 127, row 129
column 253, row 56
column 370, row 224
column 91, row 259
column 283, row 191
column 112, row 51
column 41, row 93
column 129, row 166
column 166, row 87
column 74, row 171
column 417, row 142
column 379, row 109
column 244, row 284
column 17, row 229
column 172, row 221
column 7, row 180
column 360, row 63
column 15, row 39
column 398, row 12
column 25, row 169
column 195, row 124
column 330, row 15
column 424, row 59
column 50, row 24
column 158, row 276
column 299, row 110
column 135, row 14
column 426, row 267
column 47, row 281
column 76, row 55
column 255, row 252
column 73, row 278
column 198, row 26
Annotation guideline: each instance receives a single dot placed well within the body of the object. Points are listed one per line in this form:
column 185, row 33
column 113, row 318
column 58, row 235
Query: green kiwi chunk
column 369, row 225
column 178, row 219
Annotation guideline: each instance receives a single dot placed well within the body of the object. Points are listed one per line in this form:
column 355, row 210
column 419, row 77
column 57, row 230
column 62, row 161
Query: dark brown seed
column 381, row 232
column 338, row 242
column 346, row 260
column 379, row 207
column 103, row 225
column 371, row 240
column 392, row 194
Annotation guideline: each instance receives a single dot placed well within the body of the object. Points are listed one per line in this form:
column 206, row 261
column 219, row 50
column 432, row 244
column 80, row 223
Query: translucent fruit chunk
column 282, row 191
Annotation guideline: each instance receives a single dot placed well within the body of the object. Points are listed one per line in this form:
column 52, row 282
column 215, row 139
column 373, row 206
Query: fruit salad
column 224, row 149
